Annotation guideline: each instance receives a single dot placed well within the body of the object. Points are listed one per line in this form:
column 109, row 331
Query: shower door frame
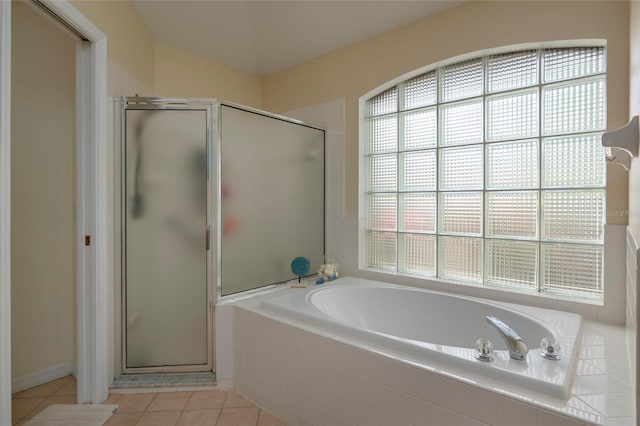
column 211, row 109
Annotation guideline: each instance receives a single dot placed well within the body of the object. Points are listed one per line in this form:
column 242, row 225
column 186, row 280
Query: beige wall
column 353, row 71
column 42, row 199
column 163, row 69
column 183, row 74
column 129, row 43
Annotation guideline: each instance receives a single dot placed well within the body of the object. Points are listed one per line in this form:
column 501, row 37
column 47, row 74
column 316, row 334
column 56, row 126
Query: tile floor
column 214, row 407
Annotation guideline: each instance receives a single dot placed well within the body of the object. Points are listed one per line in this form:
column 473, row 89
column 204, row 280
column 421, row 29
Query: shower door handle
column 206, row 238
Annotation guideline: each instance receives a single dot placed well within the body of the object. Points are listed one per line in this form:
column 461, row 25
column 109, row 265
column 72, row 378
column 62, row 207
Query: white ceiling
column 263, row 36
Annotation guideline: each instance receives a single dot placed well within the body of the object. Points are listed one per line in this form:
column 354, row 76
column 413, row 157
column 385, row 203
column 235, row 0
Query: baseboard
column 39, row 377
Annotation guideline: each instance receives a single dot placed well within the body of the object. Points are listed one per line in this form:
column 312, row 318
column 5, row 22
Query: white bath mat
column 73, row 414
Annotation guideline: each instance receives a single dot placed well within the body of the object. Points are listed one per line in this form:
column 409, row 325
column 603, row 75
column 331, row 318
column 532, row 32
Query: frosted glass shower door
column 272, row 198
column 164, row 238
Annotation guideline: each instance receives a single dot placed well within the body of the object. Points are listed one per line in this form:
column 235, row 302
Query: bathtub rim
column 511, row 307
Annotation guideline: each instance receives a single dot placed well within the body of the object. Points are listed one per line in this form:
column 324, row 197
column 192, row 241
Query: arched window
column 491, row 171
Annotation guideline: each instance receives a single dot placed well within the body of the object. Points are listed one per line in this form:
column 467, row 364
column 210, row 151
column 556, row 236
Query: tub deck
column 441, row 328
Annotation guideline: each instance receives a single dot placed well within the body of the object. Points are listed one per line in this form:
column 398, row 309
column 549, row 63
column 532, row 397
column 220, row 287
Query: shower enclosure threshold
column 164, row 380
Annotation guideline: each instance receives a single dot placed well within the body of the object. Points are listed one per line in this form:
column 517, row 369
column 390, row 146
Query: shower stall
column 215, row 199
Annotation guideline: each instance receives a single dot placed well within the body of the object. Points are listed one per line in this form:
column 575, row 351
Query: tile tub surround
column 306, row 375
column 440, row 327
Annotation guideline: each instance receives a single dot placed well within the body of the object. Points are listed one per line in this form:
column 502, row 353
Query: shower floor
column 159, row 380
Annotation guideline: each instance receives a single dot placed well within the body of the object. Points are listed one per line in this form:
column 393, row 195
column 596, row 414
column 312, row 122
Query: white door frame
column 5, row 212
column 93, row 212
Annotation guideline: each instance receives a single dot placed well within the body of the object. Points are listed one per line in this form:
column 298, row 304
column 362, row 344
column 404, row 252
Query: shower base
column 164, row 380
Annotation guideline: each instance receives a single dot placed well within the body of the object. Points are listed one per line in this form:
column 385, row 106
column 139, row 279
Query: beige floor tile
column 69, row 388
column 47, row 389
column 267, row 419
column 244, row 416
column 169, row 401
column 134, row 402
column 200, row 407
column 21, row 407
column 159, row 418
column 206, row 399
column 113, row 399
column 235, row 400
column 124, row 419
column 199, row 417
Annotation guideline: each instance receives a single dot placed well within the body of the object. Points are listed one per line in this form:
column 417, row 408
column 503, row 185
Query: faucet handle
column 550, row 349
column 484, row 347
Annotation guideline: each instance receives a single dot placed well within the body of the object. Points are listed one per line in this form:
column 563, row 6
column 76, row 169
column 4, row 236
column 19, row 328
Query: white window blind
column 491, row 171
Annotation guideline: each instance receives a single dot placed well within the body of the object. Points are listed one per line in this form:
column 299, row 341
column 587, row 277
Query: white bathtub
column 440, row 328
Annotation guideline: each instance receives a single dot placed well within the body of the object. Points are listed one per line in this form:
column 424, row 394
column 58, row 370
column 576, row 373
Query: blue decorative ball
column 300, row 266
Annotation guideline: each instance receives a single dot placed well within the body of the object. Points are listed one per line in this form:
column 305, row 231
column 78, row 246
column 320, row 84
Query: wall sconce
column 622, row 144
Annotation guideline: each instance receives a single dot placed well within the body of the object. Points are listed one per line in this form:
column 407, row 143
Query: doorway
column 94, row 261
column 42, row 197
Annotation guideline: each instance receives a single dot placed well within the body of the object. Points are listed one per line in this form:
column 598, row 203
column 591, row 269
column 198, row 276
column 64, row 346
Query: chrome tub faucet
column 517, row 348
